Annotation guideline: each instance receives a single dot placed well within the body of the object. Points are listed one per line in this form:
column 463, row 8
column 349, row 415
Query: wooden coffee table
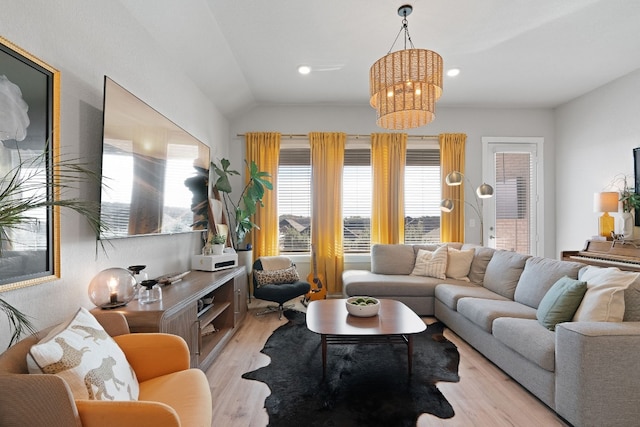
column 395, row 324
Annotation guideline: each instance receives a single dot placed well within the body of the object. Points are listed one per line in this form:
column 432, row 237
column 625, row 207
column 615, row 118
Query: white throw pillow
column 604, row 299
column 431, row 263
column 459, row 263
column 87, row 358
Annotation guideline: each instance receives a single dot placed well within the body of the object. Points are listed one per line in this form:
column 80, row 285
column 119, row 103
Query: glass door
column 512, row 216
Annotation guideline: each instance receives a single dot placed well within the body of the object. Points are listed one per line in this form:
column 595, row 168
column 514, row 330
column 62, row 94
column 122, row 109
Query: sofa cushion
column 560, row 302
column 87, row 358
column 527, row 338
column 483, row 312
column 539, row 275
column 431, row 263
column 479, row 264
column 604, row 299
column 450, row 294
column 392, row 259
column 362, row 282
column 459, row 263
column 503, row 272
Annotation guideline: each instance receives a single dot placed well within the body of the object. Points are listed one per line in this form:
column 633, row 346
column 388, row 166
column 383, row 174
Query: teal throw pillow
column 560, row 302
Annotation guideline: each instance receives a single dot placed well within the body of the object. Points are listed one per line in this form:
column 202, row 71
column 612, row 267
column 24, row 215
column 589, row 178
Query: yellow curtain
column 388, row 153
column 327, row 161
column 264, row 149
column 452, row 153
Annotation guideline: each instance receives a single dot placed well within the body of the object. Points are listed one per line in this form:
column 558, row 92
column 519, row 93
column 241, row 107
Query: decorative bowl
column 362, row 306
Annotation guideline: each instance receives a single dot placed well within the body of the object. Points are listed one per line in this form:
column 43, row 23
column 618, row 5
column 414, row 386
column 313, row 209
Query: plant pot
column 217, row 249
column 245, row 257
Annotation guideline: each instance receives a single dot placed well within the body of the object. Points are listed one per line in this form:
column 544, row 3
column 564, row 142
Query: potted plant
column 240, row 213
column 20, row 193
column 217, row 244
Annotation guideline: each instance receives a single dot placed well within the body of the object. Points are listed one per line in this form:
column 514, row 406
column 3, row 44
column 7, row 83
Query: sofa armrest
column 32, row 400
column 154, row 354
column 101, row 413
column 596, row 373
column 114, row 323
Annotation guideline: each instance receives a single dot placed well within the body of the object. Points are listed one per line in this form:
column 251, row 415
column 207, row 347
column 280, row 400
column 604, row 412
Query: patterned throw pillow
column 87, row 358
column 276, row 277
column 459, row 263
column 431, row 264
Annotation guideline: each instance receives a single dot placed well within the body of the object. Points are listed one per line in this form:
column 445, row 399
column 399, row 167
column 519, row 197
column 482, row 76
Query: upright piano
column 624, row 254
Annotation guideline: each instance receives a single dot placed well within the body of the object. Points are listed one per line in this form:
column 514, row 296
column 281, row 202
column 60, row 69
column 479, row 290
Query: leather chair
column 279, row 293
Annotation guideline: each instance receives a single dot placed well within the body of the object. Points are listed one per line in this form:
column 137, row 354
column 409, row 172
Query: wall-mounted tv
column 154, row 173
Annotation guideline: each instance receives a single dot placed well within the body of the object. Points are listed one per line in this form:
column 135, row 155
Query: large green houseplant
column 240, row 213
column 22, row 190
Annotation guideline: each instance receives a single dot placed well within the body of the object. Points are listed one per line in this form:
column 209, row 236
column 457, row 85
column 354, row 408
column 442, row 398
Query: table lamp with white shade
column 605, row 202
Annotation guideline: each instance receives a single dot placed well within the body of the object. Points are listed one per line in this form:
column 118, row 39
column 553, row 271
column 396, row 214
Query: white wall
column 476, row 123
column 86, row 39
column 596, row 134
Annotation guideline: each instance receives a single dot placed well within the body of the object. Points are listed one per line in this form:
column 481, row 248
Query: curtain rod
column 355, row 136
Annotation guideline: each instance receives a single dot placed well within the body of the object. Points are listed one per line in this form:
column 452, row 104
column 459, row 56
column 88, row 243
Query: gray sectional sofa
column 587, row 371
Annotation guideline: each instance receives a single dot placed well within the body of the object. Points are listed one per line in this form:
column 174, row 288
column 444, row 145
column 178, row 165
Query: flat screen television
column 154, row 174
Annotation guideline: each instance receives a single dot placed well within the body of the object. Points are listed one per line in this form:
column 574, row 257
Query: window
column 294, row 199
column 422, row 197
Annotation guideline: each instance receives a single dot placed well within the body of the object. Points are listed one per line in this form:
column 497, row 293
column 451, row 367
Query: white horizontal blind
column 294, row 199
column 356, row 200
column 422, row 196
column 514, row 213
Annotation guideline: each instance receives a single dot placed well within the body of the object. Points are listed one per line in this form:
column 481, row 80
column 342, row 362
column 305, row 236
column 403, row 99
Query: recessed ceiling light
column 453, row 72
column 304, row 69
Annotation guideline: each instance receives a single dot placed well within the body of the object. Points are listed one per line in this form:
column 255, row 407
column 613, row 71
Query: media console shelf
column 204, row 308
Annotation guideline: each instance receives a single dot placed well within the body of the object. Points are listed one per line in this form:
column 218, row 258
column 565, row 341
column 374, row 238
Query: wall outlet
column 472, row 223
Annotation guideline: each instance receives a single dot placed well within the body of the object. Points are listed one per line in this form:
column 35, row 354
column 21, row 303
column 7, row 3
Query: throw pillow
column 560, row 302
column 276, row 277
column 604, row 299
column 431, row 263
column 459, row 263
column 87, row 358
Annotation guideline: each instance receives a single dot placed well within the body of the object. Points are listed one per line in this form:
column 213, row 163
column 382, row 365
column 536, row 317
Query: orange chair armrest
column 102, row 413
column 154, row 354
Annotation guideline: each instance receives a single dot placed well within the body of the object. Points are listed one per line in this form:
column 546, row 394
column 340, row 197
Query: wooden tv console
column 180, row 312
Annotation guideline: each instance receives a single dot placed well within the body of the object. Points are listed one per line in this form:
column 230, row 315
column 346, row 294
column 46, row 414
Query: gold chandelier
column 405, row 85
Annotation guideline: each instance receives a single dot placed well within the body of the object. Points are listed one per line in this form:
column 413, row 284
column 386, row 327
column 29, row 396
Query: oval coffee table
column 395, row 324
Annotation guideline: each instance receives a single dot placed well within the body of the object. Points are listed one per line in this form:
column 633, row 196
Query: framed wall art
column 29, row 143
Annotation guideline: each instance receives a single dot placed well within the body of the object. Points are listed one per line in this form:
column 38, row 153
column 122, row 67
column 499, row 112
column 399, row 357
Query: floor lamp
column 483, row 191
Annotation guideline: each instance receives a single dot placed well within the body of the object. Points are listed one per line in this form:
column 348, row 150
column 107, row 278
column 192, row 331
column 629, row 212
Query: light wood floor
column 485, row 396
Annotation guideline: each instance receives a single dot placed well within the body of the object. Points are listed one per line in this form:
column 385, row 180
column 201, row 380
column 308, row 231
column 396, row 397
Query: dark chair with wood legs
column 275, row 279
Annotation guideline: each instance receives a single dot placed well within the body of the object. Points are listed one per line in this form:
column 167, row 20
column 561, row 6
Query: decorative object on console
column 241, row 213
column 605, row 202
column 111, row 288
column 150, row 292
column 483, row 191
column 405, row 85
column 214, row 262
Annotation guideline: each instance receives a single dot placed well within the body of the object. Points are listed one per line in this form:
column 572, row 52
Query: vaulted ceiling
column 511, row 53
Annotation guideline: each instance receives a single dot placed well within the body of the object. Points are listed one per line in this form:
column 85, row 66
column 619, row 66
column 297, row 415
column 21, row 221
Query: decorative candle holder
column 111, row 288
